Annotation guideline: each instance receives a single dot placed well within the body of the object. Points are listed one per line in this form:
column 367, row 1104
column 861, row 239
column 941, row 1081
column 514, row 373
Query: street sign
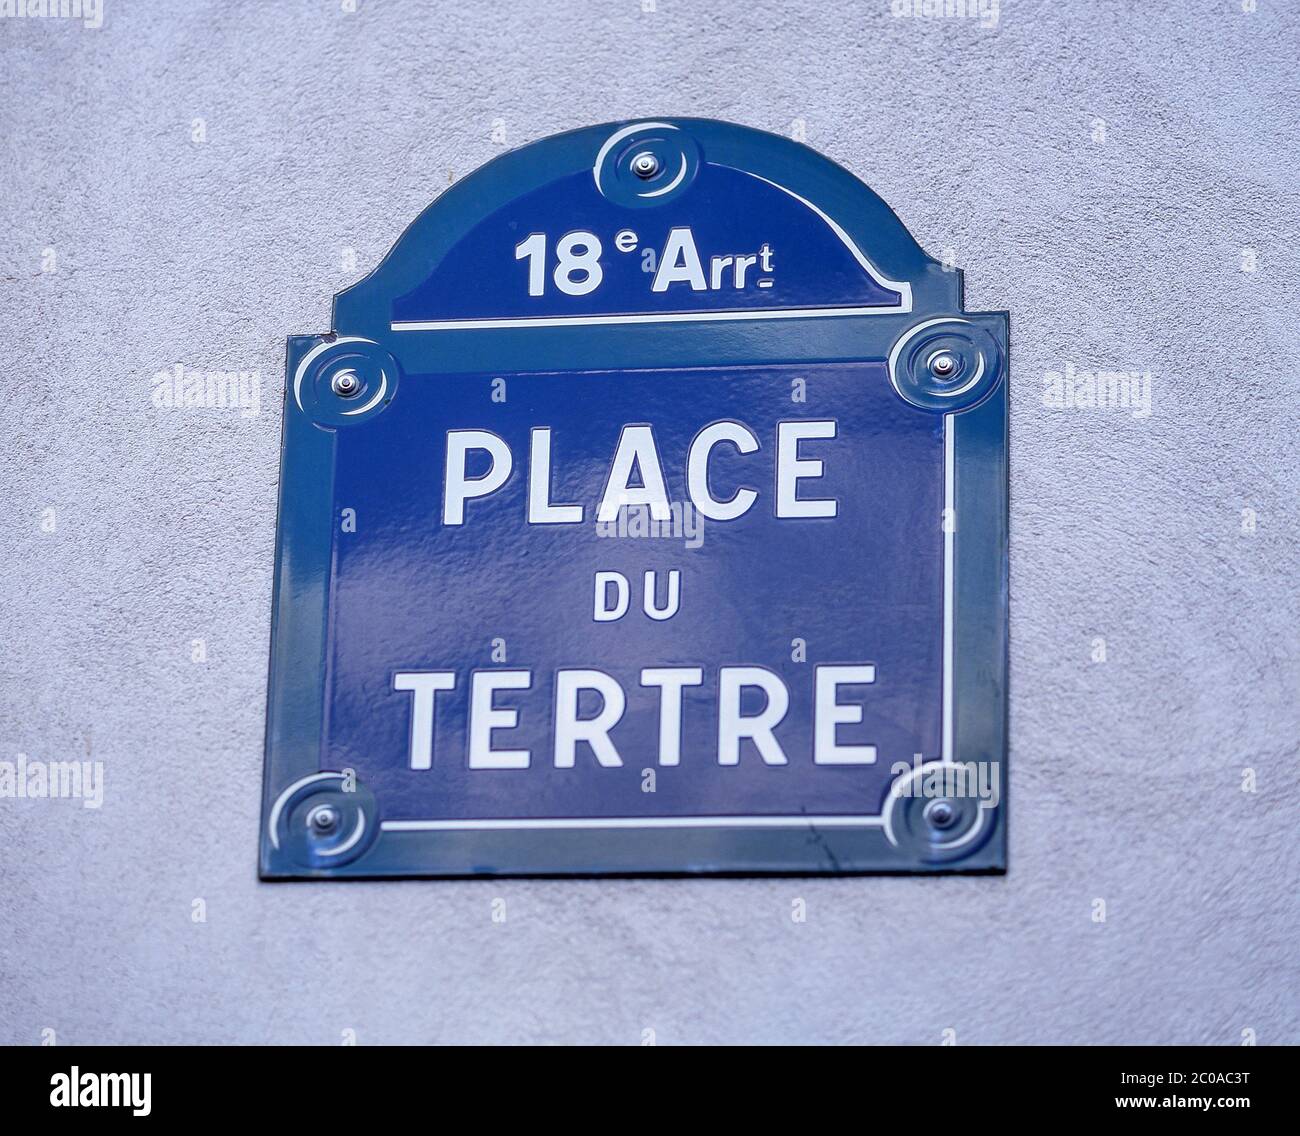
column 644, row 512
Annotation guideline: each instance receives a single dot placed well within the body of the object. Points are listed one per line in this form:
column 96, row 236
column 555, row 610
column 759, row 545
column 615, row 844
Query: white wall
column 327, row 130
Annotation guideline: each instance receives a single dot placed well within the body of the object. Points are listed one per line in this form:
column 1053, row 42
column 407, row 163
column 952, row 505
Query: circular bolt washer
column 345, row 381
column 933, row 814
column 942, row 365
column 946, row 364
column 647, row 164
column 324, row 820
column 345, row 384
column 939, row 814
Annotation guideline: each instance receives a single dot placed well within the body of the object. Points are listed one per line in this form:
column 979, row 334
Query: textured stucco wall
column 327, row 130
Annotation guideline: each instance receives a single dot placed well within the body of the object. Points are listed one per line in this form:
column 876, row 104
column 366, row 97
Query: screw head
column 940, row 813
column 345, row 384
column 943, row 365
column 323, row 819
column 645, row 165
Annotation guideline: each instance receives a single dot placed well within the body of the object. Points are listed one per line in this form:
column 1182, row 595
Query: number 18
column 576, row 273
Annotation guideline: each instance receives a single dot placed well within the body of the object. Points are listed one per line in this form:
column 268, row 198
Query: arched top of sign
column 604, row 225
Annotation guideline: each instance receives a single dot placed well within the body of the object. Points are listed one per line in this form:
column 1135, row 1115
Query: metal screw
column 324, row 819
column 940, row 813
column 645, row 165
column 345, row 384
column 942, row 365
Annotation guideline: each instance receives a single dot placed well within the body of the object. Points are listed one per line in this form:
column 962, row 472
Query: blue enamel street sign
column 644, row 512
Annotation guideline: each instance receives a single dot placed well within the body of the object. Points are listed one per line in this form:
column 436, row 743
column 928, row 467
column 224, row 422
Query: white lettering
column 636, row 449
column 680, row 263
column 424, row 685
column 697, row 471
column 457, row 486
column 791, row 469
column 485, row 716
column 830, row 713
column 540, row 509
column 733, row 727
column 670, row 681
column 570, row 729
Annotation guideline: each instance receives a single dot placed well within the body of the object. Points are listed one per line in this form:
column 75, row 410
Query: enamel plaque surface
column 645, row 511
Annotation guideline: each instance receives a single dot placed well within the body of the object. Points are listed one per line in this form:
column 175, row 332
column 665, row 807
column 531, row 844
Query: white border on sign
column 902, row 287
column 871, row 820
column 642, row 317
column 630, row 822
